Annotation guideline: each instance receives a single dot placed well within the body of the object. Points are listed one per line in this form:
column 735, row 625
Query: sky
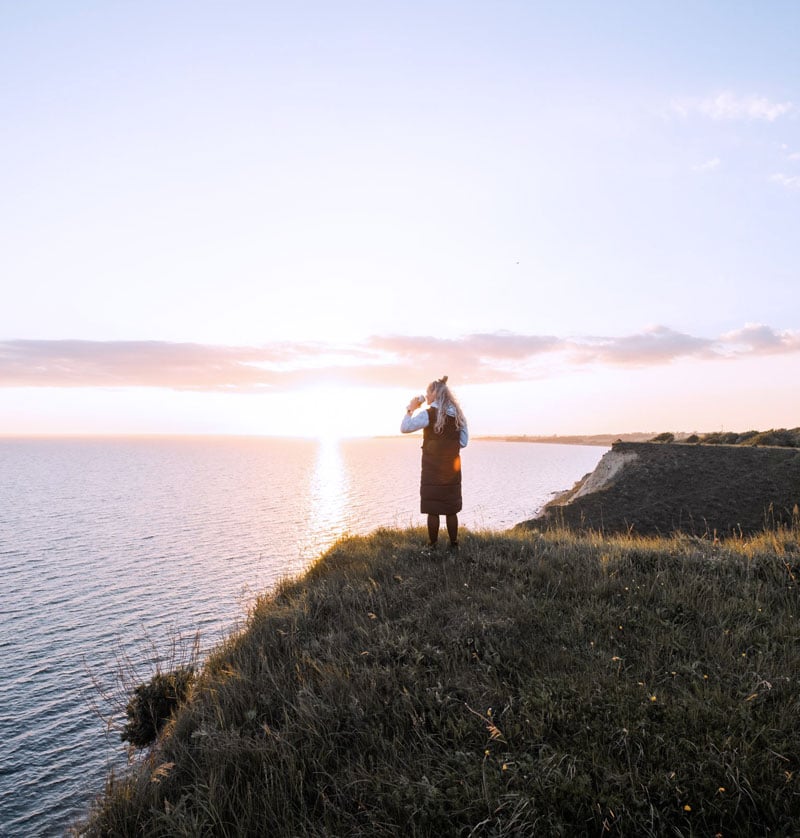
column 288, row 218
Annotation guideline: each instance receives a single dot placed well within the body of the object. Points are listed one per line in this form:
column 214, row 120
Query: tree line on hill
column 781, row 437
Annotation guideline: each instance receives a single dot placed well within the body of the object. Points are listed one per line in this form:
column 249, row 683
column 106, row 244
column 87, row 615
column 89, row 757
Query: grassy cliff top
column 699, row 489
column 534, row 684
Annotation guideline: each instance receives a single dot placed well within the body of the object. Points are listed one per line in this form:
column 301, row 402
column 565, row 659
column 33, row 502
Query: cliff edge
column 659, row 488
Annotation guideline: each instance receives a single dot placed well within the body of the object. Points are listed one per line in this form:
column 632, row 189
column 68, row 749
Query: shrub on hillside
column 665, row 437
column 721, row 438
column 782, row 437
column 152, row 704
column 776, row 437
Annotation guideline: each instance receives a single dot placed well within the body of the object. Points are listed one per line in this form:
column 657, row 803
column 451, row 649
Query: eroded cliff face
column 606, row 472
column 658, row 488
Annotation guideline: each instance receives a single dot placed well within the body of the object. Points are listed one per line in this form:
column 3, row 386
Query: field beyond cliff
column 658, row 488
column 533, row 684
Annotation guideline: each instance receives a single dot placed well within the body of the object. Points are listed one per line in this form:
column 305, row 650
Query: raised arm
column 414, row 422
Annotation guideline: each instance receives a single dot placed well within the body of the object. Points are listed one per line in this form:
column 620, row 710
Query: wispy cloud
column 708, row 166
column 758, row 339
column 789, row 181
column 388, row 360
column 656, row 345
column 729, row 106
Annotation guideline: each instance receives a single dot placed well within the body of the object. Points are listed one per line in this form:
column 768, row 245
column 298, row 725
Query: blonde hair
column 446, row 400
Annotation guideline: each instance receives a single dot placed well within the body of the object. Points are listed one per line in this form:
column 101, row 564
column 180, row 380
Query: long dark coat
column 440, row 483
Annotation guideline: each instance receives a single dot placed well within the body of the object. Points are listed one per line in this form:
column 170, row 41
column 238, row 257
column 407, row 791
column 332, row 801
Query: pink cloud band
column 393, row 360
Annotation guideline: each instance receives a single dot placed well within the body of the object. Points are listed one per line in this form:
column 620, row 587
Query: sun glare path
column 329, row 495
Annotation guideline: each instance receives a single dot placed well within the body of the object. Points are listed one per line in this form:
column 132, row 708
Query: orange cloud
column 393, row 360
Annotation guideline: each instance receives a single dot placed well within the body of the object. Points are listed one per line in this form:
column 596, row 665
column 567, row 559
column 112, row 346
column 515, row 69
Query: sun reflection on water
column 329, row 492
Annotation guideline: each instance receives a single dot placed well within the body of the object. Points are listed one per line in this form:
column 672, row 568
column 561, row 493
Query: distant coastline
column 575, row 439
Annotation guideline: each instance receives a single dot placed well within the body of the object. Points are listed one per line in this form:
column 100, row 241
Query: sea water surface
column 110, row 549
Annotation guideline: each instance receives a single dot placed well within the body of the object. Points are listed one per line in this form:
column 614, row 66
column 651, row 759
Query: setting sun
column 330, row 413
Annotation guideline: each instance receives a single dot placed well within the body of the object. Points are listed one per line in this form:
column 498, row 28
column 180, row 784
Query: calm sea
column 110, row 549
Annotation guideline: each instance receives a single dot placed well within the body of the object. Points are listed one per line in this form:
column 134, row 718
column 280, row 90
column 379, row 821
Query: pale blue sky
column 612, row 190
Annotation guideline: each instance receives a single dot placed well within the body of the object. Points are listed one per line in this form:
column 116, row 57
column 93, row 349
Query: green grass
column 535, row 684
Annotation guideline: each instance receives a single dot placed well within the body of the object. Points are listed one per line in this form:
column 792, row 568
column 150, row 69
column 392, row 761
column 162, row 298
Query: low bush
column 781, row 437
column 152, row 704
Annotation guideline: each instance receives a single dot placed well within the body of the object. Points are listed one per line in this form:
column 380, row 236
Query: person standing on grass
column 445, row 433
